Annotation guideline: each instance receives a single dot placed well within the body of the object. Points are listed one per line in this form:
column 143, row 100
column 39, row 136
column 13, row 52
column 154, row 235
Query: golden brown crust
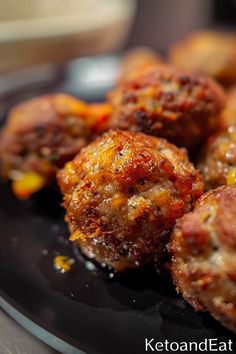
column 213, row 53
column 176, row 105
column 203, row 248
column 218, row 159
column 43, row 133
column 123, row 193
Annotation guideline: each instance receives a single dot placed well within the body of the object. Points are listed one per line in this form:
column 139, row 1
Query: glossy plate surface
column 89, row 310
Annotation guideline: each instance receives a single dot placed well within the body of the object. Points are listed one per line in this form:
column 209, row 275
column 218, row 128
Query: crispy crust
column 203, row 248
column 218, row 159
column 176, row 105
column 43, row 133
column 122, row 195
column 213, row 53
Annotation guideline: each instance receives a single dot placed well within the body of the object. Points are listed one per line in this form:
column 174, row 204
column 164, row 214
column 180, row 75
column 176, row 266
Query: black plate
column 90, row 310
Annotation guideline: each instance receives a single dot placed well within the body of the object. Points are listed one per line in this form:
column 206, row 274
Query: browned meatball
column 179, row 106
column 122, row 195
column 43, row 133
column 204, row 255
column 137, row 60
column 213, row 53
column 218, row 160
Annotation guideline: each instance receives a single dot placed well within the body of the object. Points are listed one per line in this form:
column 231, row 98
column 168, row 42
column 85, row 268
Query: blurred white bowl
column 33, row 31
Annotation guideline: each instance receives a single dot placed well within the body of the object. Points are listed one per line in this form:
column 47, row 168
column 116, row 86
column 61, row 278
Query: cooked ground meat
column 218, row 159
column 204, row 258
column 122, row 195
column 40, row 135
column 179, row 106
column 210, row 52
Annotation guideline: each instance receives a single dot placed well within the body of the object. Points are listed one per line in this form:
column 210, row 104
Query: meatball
column 228, row 116
column 123, row 193
column 137, row 60
column 43, row 133
column 179, row 106
column 211, row 52
column 204, row 255
column 218, row 159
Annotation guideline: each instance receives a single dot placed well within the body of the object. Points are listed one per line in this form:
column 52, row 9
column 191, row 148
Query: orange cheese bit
column 63, row 263
column 100, row 114
column 28, row 184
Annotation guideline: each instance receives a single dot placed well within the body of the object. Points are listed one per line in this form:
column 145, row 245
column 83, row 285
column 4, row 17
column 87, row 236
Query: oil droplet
column 62, row 240
column 44, row 252
column 90, row 266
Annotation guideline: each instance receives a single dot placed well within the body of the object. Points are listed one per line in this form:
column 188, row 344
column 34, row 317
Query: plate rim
column 37, row 330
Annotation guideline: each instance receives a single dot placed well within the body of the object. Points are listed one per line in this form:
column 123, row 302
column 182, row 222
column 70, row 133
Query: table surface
column 23, row 343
